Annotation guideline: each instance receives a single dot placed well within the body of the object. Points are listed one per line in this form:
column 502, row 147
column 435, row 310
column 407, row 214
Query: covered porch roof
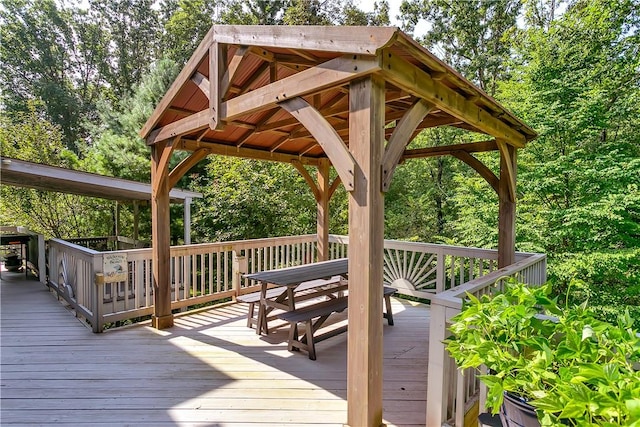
column 351, row 98
column 20, row 173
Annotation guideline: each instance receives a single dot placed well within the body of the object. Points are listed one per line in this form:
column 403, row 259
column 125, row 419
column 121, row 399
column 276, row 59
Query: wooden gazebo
column 348, row 97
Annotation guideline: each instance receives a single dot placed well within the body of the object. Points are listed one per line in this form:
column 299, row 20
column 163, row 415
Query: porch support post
column 160, row 253
column 187, row 220
column 136, row 221
column 507, row 208
column 366, row 227
column 322, row 220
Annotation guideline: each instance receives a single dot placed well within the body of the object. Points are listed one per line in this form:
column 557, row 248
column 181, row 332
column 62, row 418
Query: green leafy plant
column 572, row 368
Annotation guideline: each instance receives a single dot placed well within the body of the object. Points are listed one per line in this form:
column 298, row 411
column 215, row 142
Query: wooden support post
column 186, row 215
column 160, row 243
column 366, row 242
column 507, row 208
column 323, row 210
column 136, row 221
column 116, row 228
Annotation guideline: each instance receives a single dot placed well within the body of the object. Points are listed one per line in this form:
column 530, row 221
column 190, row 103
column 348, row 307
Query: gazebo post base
column 162, row 322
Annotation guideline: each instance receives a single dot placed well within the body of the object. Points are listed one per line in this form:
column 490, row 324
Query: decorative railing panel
column 424, row 269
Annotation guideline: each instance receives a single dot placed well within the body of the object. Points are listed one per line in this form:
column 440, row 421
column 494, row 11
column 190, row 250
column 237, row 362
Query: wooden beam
column 322, row 203
column 202, row 82
column 181, row 127
column 471, row 147
column 305, row 174
column 327, row 75
column 507, row 209
column 190, row 67
column 479, row 167
column 418, row 82
column 160, row 231
column 366, row 254
column 224, row 149
column 359, row 40
column 509, row 173
column 238, row 58
column 325, row 135
column 400, row 139
column 255, row 76
column 186, row 164
column 217, row 64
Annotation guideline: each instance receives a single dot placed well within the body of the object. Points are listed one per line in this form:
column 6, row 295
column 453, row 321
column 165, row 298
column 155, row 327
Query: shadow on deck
column 208, row 370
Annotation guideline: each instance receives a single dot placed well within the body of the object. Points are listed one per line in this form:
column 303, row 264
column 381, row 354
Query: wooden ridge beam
column 409, row 77
column 361, row 40
column 317, row 79
column 400, row 137
column 326, row 136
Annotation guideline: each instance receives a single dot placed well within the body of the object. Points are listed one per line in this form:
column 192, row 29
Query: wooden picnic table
column 292, row 278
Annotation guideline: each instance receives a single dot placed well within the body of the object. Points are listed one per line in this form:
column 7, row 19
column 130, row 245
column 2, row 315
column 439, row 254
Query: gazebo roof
column 316, row 64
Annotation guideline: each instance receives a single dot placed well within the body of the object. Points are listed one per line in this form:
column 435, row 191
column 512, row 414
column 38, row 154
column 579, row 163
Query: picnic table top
column 291, row 276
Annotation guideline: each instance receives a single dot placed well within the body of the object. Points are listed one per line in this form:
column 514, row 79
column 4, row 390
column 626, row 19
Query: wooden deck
column 208, row 370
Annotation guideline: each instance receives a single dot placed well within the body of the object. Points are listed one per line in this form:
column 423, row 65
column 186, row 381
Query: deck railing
column 207, row 272
column 425, row 269
column 199, row 274
column 450, row 393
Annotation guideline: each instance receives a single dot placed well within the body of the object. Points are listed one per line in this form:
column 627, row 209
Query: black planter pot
column 516, row 412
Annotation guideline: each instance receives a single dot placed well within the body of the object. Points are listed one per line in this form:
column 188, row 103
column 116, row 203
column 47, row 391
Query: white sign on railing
column 115, row 267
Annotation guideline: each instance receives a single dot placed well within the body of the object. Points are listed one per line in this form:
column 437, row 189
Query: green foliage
column 573, row 368
column 188, row 22
column 474, row 34
column 250, row 199
column 609, row 282
column 32, row 138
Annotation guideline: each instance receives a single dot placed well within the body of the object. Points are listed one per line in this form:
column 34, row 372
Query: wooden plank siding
column 208, row 370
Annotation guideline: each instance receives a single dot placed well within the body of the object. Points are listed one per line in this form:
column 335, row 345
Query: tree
column 133, row 30
column 48, row 54
column 32, row 138
column 473, row 35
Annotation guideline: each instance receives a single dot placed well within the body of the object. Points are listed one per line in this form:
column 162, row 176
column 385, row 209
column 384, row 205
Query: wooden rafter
column 190, row 67
column 332, row 73
column 414, row 80
column 325, row 135
column 400, row 137
column 238, row 57
column 202, row 82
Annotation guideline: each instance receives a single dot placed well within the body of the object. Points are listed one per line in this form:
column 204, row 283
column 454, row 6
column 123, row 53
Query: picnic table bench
column 315, row 287
column 321, row 311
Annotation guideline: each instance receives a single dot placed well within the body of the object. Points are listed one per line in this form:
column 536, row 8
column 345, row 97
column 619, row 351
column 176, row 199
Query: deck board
column 208, row 370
